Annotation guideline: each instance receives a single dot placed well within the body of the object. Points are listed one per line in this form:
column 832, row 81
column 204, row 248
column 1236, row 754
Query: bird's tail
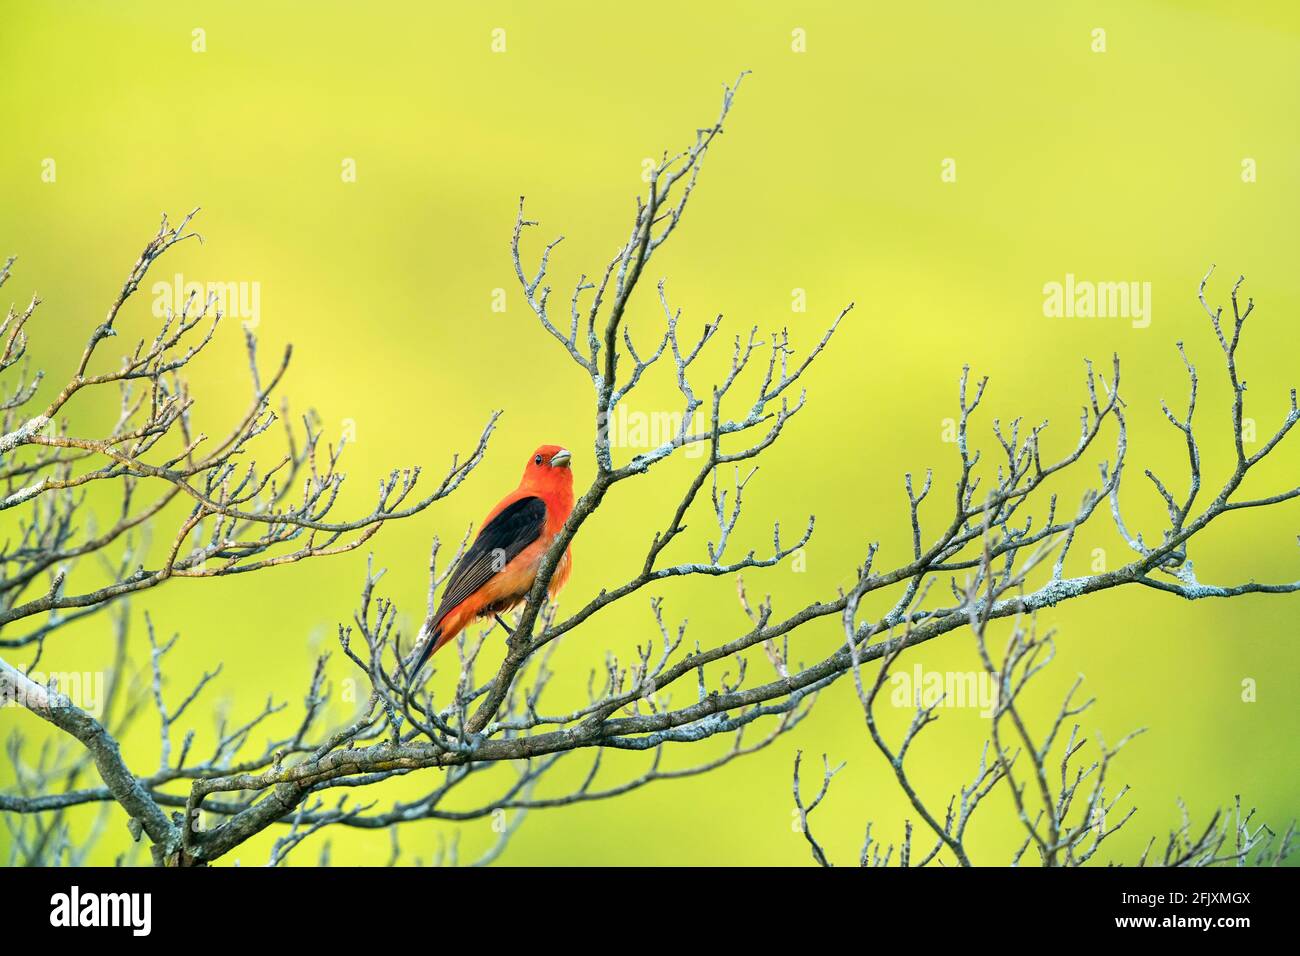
column 431, row 639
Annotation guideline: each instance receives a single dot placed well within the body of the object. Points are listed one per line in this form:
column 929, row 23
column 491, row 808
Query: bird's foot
column 510, row 632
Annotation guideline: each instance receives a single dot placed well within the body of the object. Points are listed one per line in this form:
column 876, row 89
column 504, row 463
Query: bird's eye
column 537, row 460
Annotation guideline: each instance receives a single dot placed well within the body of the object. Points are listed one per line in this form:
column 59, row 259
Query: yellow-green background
column 1123, row 165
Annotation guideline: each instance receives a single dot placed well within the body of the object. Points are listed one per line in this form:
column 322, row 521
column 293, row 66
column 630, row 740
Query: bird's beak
column 561, row 458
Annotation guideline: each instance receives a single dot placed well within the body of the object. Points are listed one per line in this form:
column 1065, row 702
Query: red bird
column 499, row 569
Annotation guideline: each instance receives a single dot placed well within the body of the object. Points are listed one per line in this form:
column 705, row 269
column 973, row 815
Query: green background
column 1124, row 165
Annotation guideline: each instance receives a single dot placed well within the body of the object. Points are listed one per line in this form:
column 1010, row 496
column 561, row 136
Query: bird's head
column 548, row 467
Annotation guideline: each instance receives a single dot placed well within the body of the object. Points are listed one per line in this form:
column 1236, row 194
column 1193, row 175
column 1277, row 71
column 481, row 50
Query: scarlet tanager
column 499, row 569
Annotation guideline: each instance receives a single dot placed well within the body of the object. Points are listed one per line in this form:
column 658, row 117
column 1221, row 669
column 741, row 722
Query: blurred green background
column 1122, row 165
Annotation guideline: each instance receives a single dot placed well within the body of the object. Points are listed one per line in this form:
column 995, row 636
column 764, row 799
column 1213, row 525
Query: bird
column 497, row 572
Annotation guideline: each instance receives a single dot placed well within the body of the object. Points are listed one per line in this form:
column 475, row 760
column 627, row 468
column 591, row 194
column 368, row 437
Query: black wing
column 502, row 539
